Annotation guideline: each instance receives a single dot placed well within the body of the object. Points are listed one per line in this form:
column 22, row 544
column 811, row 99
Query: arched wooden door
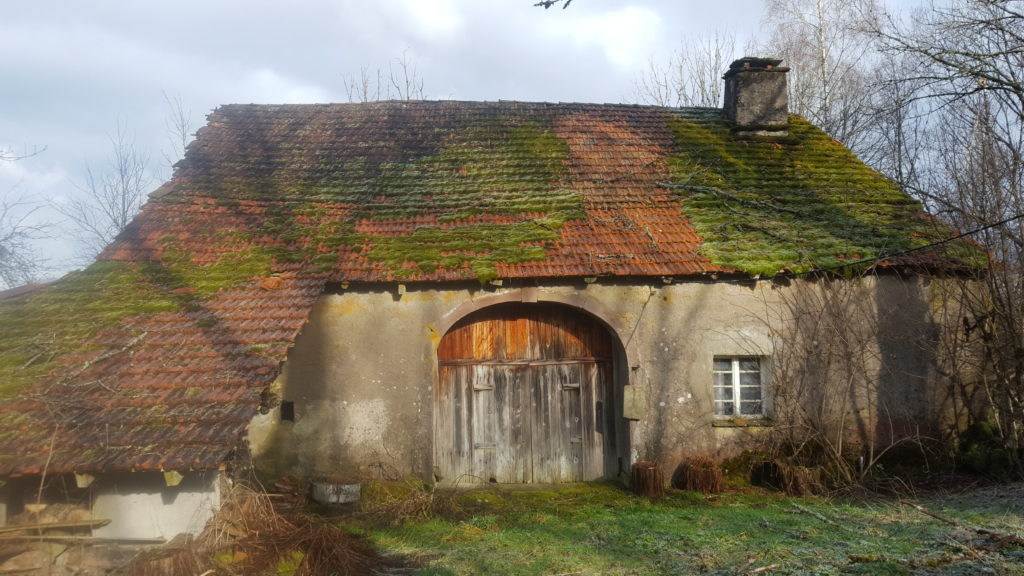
column 524, row 395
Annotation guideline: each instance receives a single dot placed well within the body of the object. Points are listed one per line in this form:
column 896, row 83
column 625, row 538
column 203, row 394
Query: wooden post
column 647, row 479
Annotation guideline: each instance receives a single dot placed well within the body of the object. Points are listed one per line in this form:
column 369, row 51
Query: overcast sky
column 71, row 71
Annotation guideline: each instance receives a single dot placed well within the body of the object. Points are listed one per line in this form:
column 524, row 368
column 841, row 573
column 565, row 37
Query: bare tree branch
column 19, row 264
column 965, row 67
column 178, row 124
column 109, row 199
column 402, row 82
column 691, row 76
column 549, row 3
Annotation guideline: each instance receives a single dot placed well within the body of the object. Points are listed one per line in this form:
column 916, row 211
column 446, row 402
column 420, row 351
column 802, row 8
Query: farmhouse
column 467, row 292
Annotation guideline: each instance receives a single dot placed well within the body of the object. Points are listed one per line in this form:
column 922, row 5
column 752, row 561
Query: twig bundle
column 699, row 474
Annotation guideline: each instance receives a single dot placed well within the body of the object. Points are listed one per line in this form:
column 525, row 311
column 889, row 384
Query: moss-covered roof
column 157, row 356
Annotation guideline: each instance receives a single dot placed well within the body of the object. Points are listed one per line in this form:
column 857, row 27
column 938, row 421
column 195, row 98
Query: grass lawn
column 602, row 529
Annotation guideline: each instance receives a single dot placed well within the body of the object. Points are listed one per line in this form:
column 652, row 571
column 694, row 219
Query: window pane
column 750, row 364
column 750, row 379
column 724, row 408
column 750, row 393
column 723, row 365
column 723, row 379
column 750, row 408
column 723, row 393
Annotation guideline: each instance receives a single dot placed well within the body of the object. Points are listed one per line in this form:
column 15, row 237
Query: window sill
column 741, row 423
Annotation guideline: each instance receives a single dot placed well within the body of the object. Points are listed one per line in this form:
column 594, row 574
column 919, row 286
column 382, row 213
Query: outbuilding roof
column 157, row 356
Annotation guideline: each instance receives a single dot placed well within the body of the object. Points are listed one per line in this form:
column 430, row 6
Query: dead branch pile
column 248, row 536
column 179, row 556
column 790, row 478
column 648, row 480
column 699, row 474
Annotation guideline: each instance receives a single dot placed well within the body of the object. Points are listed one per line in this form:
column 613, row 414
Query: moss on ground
column 601, row 529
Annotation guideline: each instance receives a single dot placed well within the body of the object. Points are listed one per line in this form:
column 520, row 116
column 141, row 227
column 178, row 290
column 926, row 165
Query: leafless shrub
column 19, row 264
column 793, row 479
column 854, row 375
column 178, row 125
column 400, row 81
column 699, row 474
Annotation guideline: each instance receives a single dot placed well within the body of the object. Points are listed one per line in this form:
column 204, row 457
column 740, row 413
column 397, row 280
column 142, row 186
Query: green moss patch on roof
column 454, row 165
column 231, row 269
column 799, row 204
column 470, row 162
column 480, row 246
column 499, row 167
column 41, row 327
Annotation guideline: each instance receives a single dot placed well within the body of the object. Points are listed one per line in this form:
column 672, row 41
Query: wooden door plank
column 524, row 396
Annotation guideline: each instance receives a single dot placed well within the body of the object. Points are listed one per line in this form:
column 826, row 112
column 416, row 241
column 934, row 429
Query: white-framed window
column 738, row 387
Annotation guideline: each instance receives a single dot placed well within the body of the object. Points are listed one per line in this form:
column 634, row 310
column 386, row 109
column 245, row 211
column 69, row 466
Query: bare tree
column 834, row 376
column 896, row 135
column 691, row 76
column 825, row 45
column 401, row 82
column 19, row 263
column 178, row 126
column 966, row 63
column 109, row 199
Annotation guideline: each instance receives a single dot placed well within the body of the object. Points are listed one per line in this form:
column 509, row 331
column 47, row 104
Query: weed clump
column 791, row 478
column 698, row 474
column 396, row 503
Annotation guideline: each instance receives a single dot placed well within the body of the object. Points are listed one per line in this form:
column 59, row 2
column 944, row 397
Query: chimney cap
column 754, row 63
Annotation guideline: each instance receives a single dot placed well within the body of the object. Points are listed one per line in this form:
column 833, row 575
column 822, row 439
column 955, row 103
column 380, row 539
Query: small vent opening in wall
column 287, row 411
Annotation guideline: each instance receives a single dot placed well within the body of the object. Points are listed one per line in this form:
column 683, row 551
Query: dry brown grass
column 249, row 536
column 699, row 474
column 395, row 503
column 793, row 479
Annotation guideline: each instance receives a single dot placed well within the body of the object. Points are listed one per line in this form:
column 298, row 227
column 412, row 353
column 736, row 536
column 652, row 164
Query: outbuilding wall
column 141, row 505
column 360, row 377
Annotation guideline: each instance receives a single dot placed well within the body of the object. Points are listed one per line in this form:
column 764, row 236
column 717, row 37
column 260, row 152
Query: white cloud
column 627, row 36
column 21, row 176
column 264, row 85
column 435, row 20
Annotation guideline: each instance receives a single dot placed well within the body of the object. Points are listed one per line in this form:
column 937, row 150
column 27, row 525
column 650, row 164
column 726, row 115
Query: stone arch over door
column 527, row 393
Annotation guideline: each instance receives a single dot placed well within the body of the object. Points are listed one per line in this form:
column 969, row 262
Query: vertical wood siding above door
column 523, row 396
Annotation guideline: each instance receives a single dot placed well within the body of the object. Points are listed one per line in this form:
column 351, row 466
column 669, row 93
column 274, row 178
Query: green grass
column 601, row 529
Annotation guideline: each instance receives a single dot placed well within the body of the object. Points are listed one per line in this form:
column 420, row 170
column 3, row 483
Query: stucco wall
column 141, row 505
column 361, row 374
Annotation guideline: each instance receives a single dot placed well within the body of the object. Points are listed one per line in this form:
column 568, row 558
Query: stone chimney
column 755, row 97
